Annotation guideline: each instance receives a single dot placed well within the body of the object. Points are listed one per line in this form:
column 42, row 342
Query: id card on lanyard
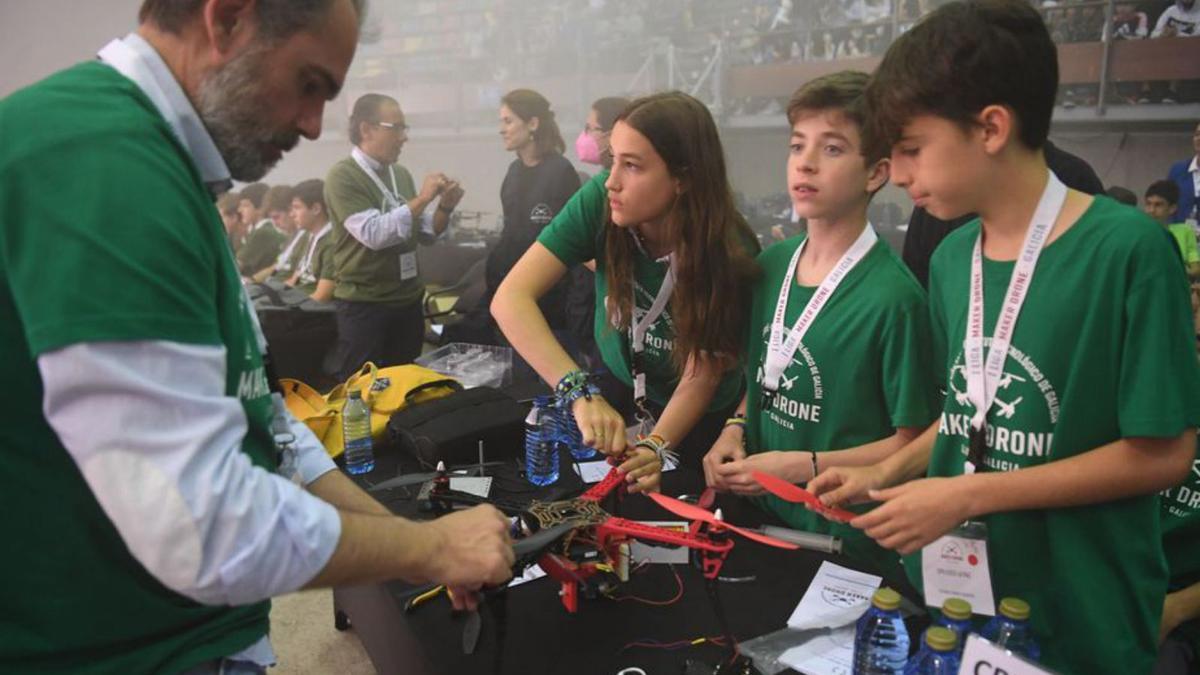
column 983, row 376
column 638, row 328
column 391, row 200
column 780, row 352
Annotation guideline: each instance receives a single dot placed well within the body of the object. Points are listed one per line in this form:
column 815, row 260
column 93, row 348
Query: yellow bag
column 384, row 391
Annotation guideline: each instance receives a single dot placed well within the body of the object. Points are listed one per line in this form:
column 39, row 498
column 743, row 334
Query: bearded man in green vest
column 145, row 464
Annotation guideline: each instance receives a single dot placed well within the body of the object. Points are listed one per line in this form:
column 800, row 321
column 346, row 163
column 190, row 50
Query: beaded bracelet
column 573, row 386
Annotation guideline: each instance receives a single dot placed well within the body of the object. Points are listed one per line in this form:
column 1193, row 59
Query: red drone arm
column 605, row 487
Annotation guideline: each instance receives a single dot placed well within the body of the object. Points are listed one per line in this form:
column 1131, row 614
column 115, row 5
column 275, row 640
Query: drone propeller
column 798, row 495
column 693, row 512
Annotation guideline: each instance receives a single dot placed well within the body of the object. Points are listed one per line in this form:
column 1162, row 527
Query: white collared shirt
column 377, row 229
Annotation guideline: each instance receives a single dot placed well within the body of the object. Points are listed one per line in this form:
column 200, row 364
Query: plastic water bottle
column 1010, row 629
column 541, row 455
column 356, row 432
column 956, row 615
column 880, row 638
column 937, row 655
column 572, row 437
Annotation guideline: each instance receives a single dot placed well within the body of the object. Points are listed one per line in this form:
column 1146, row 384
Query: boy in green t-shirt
column 856, row 387
column 1161, row 200
column 1063, row 338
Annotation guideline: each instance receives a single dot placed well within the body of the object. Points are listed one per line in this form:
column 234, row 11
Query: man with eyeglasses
column 379, row 219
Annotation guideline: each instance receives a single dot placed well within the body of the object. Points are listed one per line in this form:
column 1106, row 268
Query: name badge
column 956, row 566
column 408, row 266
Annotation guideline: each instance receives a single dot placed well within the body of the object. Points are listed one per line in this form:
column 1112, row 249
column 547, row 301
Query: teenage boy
column 1160, row 202
column 315, row 268
column 838, row 369
column 1064, row 420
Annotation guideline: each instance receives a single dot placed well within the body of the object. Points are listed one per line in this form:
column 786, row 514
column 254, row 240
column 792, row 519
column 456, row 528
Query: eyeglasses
column 398, row 127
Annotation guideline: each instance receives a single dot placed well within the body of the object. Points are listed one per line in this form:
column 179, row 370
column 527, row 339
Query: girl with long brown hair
column 674, row 264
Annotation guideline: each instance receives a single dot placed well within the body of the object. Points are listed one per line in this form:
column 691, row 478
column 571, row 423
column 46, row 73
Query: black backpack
column 449, row 429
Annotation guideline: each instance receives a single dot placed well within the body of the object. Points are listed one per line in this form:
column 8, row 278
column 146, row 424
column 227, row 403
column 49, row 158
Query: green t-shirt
column 320, row 263
column 261, row 248
column 284, row 270
column 1103, row 350
column 365, row 275
column 74, row 599
column 1185, row 238
column 863, row 369
column 1181, row 539
column 575, row 236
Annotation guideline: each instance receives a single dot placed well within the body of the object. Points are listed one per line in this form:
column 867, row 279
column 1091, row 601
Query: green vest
column 364, row 275
column 116, row 242
column 285, row 270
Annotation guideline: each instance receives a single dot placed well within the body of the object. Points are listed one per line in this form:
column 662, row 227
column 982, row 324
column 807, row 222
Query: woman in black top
column 539, row 182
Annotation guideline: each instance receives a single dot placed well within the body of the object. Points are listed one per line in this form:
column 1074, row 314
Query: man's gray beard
column 233, row 109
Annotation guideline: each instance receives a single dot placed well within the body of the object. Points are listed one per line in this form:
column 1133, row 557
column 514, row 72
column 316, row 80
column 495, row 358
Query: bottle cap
column 957, row 609
column 887, row 599
column 354, row 393
column 941, row 638
column 1014, row 608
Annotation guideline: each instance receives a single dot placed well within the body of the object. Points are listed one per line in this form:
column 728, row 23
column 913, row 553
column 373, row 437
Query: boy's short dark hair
column 310, row 192
column 1122, row 194
column 962, row 58
column 841, row 92
column 278, row 198
column 1167, row 189
column 254, row 193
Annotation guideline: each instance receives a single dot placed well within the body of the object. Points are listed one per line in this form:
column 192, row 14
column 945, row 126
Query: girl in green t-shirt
column 674, row 264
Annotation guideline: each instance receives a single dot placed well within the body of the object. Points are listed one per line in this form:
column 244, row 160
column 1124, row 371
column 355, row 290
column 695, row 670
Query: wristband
column 738, row 420
column 661, row 447
column 814, row 462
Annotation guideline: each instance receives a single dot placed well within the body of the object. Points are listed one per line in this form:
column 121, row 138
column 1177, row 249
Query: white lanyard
column 306, row 264
column 984, row 379
column 779, row 352
column 639, row 327
column 391, row 197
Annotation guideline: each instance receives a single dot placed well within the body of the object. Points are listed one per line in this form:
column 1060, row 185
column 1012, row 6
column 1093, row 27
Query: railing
column 737, row 65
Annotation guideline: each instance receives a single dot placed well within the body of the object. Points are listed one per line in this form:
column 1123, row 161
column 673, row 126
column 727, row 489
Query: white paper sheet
column 474, row 485
column 827, row 653
column 836, row 597
column 592, row 472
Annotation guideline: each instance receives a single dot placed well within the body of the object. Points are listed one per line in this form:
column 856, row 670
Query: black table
column 542, row 637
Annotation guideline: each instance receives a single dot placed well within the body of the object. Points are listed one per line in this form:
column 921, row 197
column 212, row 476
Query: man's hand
column 472, row 549
column 452, row 194
column 738, row 475
column 431, row 187
column 729, row 447
column 642, row 470
column 916, row 513
column 602, row 427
